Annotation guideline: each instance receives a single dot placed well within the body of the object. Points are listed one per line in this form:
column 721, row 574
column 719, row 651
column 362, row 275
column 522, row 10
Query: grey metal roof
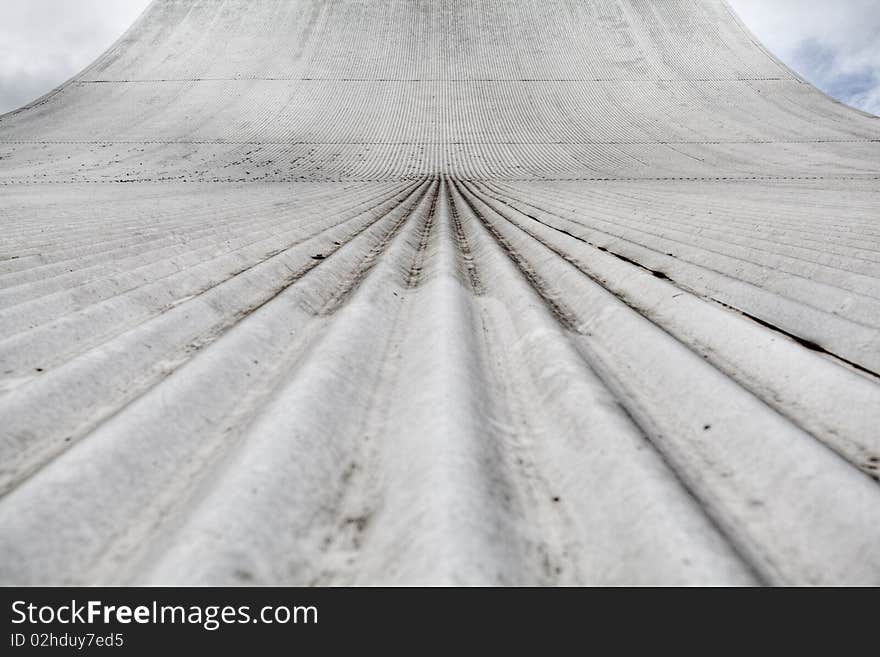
column 409, row 292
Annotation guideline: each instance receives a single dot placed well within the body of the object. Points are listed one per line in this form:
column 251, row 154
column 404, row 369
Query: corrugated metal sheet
column 484, row 292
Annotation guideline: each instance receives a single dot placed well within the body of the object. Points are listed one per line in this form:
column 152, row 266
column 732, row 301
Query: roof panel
column 552, row 292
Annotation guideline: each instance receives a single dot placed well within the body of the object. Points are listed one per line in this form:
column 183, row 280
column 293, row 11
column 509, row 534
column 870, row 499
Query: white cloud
column 835, row 44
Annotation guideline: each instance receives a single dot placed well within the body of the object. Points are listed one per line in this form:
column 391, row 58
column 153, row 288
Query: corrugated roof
column 479, row 292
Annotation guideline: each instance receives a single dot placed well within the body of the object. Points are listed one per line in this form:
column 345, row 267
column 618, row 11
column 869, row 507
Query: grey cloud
column 44, row 42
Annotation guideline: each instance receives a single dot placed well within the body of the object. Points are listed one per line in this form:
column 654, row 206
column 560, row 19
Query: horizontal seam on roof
column 218, row 142
column 310, row 79
column 354, row 179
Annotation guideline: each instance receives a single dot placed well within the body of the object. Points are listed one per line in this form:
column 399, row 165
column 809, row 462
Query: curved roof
column 477, row 292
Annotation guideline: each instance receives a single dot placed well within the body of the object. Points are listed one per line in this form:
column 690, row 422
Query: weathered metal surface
column 480, row 292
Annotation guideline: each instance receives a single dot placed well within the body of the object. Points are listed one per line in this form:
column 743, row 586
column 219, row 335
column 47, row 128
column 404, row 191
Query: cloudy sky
column 835, row 44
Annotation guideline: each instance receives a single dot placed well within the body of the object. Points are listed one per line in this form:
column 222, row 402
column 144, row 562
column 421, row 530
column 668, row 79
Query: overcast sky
column 835, row 44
